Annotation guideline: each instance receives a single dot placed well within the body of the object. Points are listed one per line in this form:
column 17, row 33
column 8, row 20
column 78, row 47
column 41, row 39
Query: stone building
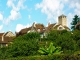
column 61, row 25
column 6, row 38
column 62, row 20
column 40, row 28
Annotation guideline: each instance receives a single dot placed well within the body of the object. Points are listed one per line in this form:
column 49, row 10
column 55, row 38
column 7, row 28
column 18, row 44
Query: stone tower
column 62, row 20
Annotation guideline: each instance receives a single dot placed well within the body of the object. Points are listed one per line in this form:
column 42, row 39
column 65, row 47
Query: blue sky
column 18, row 14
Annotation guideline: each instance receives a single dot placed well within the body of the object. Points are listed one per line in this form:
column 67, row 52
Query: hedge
column 48, row 57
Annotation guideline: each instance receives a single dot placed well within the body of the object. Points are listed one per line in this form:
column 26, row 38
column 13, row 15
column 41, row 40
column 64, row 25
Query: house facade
column 40, row 28
column 61, row 25
column 5, row 38
column 77, row 26
column 36, row 27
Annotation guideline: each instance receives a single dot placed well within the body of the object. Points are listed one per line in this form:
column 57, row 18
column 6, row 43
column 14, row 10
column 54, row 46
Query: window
column 44, row 29
column 79, row 26
column 60, row 28
column 38, row 29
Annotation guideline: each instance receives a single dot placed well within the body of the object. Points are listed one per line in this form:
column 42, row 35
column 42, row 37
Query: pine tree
column 74, row 22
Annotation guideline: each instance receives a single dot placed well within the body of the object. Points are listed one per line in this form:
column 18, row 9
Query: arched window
column 60, row 28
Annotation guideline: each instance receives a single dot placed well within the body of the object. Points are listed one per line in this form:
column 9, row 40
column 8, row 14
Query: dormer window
column 43, row 29
column 60, row 28
column 38, row 29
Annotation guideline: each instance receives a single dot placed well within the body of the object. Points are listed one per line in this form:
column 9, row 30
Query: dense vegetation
column 30, row 44
column 21, row 46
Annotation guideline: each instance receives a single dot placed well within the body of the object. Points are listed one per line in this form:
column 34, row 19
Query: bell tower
column 62, row 20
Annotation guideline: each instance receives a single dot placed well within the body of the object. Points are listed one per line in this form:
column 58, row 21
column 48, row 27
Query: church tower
column 62, row 20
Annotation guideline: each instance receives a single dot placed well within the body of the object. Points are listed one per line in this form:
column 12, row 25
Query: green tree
column 21, row 46
column 52, row 35
column 74, row 22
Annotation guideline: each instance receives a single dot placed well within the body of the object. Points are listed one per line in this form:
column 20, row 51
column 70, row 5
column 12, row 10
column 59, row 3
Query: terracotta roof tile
column 50, row 27
column 6, row 40
column 25, row 30
column 62, row 15
column 41, row 27
column 57, row 26
column 66, row 27
column 1, row 34
column 77, row 24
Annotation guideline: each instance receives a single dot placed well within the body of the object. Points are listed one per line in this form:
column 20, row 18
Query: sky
column 18, row 14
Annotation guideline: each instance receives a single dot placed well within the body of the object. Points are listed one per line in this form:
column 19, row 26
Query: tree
column 24, row 45
column 74, row 22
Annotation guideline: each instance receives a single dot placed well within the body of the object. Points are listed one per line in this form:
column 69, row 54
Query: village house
column 40, row 28
column 61, row 25
column 6, row 38
column 77, row 26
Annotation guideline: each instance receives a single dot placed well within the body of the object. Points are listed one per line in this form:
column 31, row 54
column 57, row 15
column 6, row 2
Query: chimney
column 48, row 23
column 33, row 24
column 3, row 37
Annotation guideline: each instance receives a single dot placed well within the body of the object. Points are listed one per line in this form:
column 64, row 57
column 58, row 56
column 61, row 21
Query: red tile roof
column 50, row 27
column 77, row 24
column 41, row 27
column 1, row 34
column 6, row 39
column 33, row 27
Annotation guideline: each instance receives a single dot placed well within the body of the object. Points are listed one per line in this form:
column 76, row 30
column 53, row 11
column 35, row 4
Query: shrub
column 48, row 57
column 50, row 50
column 22, row 46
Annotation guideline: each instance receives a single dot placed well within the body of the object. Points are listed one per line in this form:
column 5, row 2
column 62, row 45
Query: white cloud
column 20, row 26
column 14, row 15
column 69, row 19
column 18, row 6
column 54, row 8
column 1, row 16
column 15, row 12
column 29, row 17
column 1, row 26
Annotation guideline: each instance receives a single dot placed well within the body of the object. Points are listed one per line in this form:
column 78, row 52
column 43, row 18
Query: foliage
column 64, row 39
column 31, row 35
column 74, row 22
column 76, row 35
column 22, row 46
column 52, row 35
column 50, row 50
column 48, row 57
column 28, row 45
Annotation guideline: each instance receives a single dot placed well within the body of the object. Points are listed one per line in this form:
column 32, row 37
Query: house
column 77, row 26
column 23, row 31
column 6, row 38
column 40, row 28
column 61, row 25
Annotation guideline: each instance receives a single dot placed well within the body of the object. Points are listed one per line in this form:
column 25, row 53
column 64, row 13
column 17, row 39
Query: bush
column 50, row 57
column 22, row 46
